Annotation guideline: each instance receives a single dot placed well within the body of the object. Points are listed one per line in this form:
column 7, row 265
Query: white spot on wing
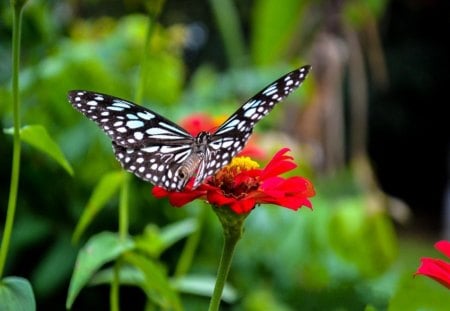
column 138, row 135
column 145, row 115
column 135, row 124
column 113, row 108
column 122, row 104
column 249, row 112
column 150, row 149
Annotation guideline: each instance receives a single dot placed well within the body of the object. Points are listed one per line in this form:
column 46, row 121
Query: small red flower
column 241, row 185
column 195, row 123
column 437, row 269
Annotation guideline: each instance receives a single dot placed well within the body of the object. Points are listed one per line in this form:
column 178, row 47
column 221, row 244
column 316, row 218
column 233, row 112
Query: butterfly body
column 159, row 151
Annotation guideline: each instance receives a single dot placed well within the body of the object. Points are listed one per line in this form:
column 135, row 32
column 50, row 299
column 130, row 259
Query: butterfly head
column 203, row 138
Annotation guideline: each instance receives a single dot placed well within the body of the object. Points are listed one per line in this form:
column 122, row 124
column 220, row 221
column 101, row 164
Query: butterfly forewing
column 231, row 137
column 159, row 151
column 128, row 124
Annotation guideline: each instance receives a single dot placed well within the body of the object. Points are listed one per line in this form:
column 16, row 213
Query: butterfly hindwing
column 155, row 164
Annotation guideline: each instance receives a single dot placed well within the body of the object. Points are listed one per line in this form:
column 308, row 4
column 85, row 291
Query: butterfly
column 159, row 151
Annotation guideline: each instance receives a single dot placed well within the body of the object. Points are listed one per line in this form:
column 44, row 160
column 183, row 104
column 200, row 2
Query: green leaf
column 128, row 275
column 51, row 271
column 38, row 137
column 203, row 286
column 174, row 232
column 16, row 294
column 100, row 249
column 366, row 239
column 154, row 241
column 156, row 284
column 419, row 293
column 274, row 28
column 106, row 188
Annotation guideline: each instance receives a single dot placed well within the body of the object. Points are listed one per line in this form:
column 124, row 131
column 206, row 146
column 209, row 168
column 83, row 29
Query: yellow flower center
column 226, row 180
column 242, row 164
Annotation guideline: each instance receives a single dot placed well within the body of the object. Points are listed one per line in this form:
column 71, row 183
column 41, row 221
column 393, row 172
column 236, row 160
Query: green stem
column 15, row 171
column 124, row 207
column 232, row 225
column 228, row 23
column 153, row 13
column 114, row 292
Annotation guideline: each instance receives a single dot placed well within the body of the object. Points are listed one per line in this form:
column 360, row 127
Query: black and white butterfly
column 157, row 150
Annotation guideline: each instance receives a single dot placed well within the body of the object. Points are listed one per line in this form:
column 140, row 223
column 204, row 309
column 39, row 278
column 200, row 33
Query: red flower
column 195, row 123
column 241, row 185
column 437, row 269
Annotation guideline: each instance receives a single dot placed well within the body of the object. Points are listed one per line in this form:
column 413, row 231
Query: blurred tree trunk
column 321, row 123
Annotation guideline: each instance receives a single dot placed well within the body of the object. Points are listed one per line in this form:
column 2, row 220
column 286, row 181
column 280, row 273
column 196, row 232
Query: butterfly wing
column 231, row 137
column 145, row 143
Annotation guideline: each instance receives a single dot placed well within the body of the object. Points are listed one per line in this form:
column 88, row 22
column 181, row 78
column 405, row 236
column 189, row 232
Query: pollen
column 240, row 164
column 234, row 180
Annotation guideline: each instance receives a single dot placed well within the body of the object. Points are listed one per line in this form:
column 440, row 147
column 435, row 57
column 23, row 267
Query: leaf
column 16, row 294
column 274, row 28
column 154, row 241
column 419, row 293
column 128, row 275
column 100, row 249
column 174, row 232
column 203, row 286
column 50, row 272
column 106, row 188
column 366, row 239
column 156, row 284
column 37, row 136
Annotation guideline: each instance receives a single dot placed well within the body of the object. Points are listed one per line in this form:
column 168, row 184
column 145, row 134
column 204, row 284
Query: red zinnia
column 241, row 185
column 437, row 269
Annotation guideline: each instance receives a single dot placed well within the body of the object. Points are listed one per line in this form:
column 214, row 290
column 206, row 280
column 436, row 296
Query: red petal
column 279, row 164
column 243, row 206
column 436, row 269
column 159, row 192
column 444, row 247
column 292, row 193
column 178, row 199
column 217, row 198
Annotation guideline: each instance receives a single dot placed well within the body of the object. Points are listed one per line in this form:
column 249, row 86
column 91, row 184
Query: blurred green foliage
column 340, row 256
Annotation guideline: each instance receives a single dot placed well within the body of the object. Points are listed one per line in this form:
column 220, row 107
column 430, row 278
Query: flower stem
column 15, row 170
column 232, row 225
column 124, row 207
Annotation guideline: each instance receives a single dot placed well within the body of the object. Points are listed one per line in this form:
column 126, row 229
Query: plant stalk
column 114, row 291
column 124, row 207
column 15, row 170
column 232, row 225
